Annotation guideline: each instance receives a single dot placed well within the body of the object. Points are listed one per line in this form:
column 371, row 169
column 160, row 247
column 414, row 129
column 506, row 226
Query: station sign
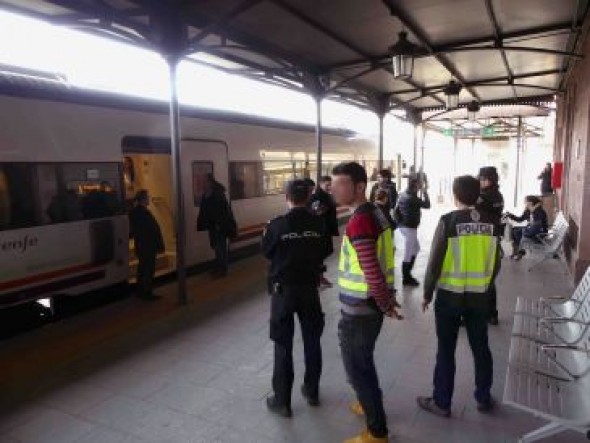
column 487, row 131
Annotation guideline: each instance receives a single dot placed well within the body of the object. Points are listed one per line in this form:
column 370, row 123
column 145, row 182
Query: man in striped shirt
column 366, row 277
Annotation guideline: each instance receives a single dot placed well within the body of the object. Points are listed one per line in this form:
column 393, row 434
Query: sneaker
column 312, row 400
column 428, row 404
column 487, row 406
column 274, row 406
column 366, row 437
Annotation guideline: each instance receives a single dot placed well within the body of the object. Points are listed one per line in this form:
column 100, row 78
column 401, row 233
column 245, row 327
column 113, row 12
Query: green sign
column 488, row 131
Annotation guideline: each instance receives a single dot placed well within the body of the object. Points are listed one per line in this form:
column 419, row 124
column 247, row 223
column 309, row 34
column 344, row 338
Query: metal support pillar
column 380, row 158
column 423, row 126
column 176, row 152
column 381, row 104
column 319, row 136
column 318, row 85
column 518, row 149
column 455, row 147
column 171, row 37
column 415, row 158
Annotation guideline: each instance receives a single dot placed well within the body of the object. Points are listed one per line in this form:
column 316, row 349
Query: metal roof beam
column 227, row 18
column 484, row 81
column 419, row 33
column 498, row 42
column 566, row 27
column 338, row 38
column 103, row 12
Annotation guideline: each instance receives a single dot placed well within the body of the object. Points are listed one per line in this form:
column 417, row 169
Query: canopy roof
column 500, row 51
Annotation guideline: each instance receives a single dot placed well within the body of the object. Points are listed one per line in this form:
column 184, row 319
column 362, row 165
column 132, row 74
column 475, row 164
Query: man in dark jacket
column 148, row 243
column 296, row 245
column 216, row 216
column 384, row 182
column 491, row 201
column 408, row 215
column 322, row 204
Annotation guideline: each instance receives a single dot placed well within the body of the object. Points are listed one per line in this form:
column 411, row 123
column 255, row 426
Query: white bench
column 554, row 319
column 548, row 377
column 547, row 245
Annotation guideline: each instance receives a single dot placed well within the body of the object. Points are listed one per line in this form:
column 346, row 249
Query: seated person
column 536, row 219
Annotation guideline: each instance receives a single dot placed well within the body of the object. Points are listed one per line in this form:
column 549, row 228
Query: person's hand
column 425, row 305
column 392, row 313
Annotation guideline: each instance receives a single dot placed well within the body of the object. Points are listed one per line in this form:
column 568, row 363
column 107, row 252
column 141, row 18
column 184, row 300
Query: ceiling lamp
column 472, row 110
column 452, row 91
column 402, row 56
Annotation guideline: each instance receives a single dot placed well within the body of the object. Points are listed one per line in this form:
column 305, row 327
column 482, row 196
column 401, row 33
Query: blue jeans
column 358, row 334
column 448, row 310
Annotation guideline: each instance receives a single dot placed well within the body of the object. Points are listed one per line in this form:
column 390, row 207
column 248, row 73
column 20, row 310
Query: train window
column 245, row 180
column 200, row 172
column 33, row 194
column 275, row 176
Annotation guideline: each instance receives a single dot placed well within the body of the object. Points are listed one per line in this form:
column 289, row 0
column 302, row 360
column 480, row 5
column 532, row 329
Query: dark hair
column 325, row 178
column 142, row 194
column 309, row 182
column 385, row 173
column 297, row 191
column 466, row 189
column 352, row 169
column 413, row 182
column 533, row 199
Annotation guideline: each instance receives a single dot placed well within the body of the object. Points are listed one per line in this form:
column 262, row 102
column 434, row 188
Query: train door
column 200, row 158
column 152, row 172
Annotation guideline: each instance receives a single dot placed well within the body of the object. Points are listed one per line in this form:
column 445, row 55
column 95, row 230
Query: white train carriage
column 71, row 160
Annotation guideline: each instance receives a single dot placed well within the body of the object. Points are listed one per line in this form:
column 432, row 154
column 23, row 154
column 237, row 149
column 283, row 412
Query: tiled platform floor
column 135, row 372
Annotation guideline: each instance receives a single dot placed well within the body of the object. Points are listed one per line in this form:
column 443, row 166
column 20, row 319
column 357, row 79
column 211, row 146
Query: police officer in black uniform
column 491, row 201
column 296, row 243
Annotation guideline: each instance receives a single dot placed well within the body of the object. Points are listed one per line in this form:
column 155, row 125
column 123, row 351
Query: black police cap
column 489, row 172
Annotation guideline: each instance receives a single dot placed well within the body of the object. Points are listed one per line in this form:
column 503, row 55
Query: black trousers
column 304, row 301
column 493, row 307
column 146, row 268
column 358, row 335
column 448, row 309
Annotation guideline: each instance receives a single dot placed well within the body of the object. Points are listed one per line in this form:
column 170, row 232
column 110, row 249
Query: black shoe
column 487, row 406
column 274, row 406
column 493, row 320
column 410, row 281
column 428, row 404
column 312, row 400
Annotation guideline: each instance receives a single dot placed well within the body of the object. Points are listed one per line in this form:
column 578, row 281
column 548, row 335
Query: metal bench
column 555, row 320
column 551, row 379
column 547, row 245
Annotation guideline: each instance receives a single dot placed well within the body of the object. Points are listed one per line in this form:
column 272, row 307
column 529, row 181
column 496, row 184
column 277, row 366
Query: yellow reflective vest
column 472, row 248
column 351, row 279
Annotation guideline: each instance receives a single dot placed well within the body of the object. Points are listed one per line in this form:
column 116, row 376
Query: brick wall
column 572, row 146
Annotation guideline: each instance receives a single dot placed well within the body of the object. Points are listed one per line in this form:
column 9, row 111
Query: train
column 72, row 159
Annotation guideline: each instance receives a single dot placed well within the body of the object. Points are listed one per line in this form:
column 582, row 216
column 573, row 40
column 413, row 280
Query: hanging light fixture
column 472, row 110
column 403, row 53
column 452, row 91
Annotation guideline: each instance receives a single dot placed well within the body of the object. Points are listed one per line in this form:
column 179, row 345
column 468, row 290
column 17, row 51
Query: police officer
column 463, row 264
column 296, row 244
column 491, row 201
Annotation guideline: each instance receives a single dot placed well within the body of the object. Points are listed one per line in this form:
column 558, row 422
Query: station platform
column 136, row 371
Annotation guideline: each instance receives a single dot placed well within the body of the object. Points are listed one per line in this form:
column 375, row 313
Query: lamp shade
column 403, row 53
column 452, row 91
